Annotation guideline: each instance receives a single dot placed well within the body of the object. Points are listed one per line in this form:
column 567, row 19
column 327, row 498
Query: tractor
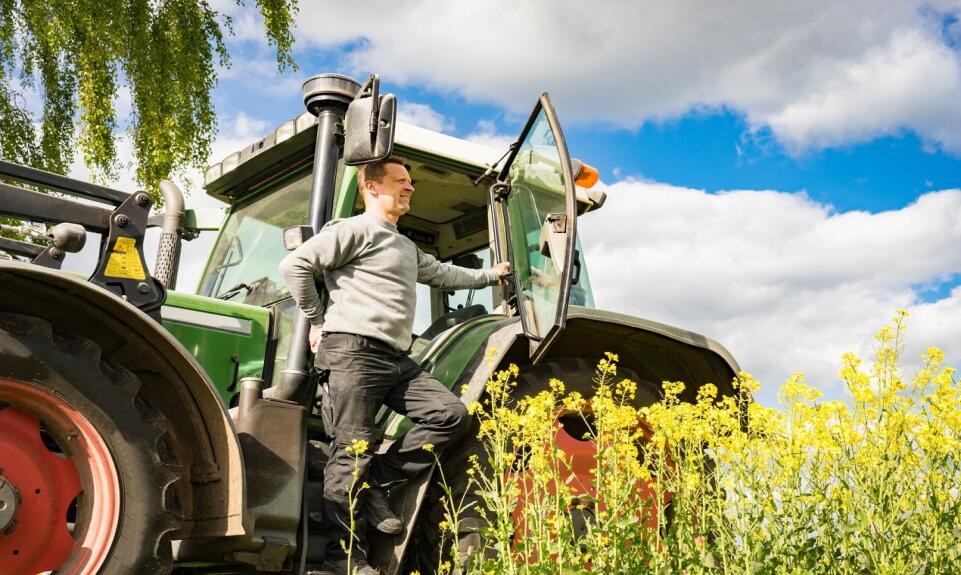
column 146, row 430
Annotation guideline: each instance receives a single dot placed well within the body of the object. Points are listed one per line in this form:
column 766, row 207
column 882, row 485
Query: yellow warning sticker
column 124, row 261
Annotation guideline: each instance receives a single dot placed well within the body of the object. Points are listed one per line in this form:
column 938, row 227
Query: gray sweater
column 370, row 271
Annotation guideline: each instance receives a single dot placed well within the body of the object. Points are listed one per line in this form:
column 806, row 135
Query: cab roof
column 293, row 141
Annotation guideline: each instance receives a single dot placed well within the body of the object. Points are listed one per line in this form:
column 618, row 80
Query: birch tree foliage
column 77, row 54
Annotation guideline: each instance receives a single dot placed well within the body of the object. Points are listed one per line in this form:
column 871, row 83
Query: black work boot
column 340, row 567
column 379, row 513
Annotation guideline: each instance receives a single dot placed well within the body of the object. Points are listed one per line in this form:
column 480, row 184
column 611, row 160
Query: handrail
column 58, row 183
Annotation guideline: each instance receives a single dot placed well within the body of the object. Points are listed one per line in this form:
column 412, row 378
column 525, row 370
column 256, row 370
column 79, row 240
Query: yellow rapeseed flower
column 357, row 447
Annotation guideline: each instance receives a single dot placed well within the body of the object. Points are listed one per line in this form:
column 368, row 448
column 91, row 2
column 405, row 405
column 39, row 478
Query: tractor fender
column 654, row 351
column 211, row 492
column 493, row 352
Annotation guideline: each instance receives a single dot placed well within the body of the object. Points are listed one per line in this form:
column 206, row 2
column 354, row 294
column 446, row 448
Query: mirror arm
column 371, row 89
column 379, row 113
column 375, row 102
column 490, row 169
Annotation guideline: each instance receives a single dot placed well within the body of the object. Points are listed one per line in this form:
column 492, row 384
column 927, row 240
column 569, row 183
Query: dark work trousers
column 364, row 375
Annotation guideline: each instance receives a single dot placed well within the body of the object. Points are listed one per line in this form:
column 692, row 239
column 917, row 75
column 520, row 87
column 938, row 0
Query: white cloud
column 912, row 82
column 249, row 26
column 818, row 73
column 785, row 283
column 247, row 23
column 259, row 73
column 424, row 116
column 254, row 69
column 486, row 133
column 237, row 132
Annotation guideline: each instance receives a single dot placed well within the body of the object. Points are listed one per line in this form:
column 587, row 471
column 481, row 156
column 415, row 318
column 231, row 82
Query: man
column 370, row 271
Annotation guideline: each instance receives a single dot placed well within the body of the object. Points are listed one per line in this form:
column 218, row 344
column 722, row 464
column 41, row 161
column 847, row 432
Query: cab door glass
column 539, row 222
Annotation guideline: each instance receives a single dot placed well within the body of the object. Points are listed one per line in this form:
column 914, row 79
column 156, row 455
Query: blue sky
column 782, row 176
column 712, row 147
column 715, row 149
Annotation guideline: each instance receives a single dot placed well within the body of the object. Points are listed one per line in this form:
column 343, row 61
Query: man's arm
column 301, row 271
column 330, row 248
column 298, row 271
column 434, row 273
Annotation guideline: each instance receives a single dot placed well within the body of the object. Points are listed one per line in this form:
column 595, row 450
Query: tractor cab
column 454, row 216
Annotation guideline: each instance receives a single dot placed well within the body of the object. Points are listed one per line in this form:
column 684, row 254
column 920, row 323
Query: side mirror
column 369, row 125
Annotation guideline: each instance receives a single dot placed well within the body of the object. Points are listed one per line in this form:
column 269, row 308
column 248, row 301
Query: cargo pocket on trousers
column 322, row 367
column 326, row 410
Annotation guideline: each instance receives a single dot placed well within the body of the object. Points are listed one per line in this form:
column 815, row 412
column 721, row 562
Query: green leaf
column 78, row 54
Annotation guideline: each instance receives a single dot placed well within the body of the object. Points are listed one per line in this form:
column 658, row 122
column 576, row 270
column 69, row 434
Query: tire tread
column 115, row 390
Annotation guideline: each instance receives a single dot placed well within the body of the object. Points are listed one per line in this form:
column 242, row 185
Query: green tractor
column 146, row 430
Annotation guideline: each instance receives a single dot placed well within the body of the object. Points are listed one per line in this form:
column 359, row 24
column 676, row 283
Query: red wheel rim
column 41, row 539
column 581, row 454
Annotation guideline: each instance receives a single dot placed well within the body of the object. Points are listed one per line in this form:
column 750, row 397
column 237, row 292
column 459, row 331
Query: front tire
column 88, row 457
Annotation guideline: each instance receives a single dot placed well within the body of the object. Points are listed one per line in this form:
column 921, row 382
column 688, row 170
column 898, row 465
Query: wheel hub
column 9, row 501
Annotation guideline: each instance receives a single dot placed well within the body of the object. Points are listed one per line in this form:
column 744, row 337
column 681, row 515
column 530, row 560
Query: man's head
column 386, row 188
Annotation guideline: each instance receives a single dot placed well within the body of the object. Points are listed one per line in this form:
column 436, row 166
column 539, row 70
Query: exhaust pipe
column 326, row 96
column 168, row 252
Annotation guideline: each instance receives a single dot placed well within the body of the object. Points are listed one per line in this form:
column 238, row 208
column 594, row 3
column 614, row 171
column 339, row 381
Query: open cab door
column 534, row 195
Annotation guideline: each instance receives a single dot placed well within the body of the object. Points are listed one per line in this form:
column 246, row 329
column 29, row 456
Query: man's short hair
column 376, row 171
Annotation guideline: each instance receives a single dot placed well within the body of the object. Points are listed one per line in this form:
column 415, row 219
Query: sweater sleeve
column 435, row 273
column 333, row 246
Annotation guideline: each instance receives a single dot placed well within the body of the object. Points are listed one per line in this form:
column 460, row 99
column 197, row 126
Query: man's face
column 394, row 191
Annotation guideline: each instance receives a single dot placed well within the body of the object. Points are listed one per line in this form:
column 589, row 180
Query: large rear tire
column 578, row 376
column 87, row 456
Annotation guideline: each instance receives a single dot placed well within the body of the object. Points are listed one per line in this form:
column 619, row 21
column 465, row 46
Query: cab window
column 243, row 264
